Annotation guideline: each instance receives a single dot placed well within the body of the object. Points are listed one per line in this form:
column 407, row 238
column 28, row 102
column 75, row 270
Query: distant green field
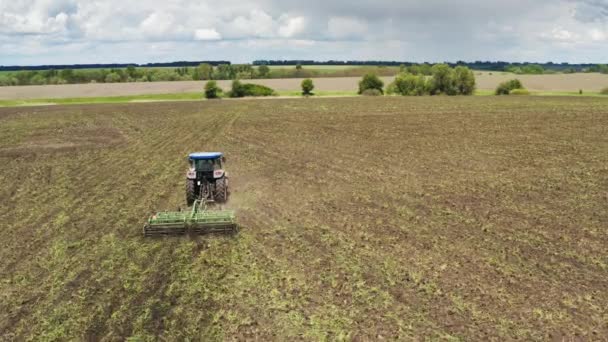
column 199, row 96
column 336, row 69
column 146, row 98
column 108, row 99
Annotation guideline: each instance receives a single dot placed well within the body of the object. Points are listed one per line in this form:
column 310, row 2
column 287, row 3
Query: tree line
column 109, row 66
column 204, row 71
column 476, row 65
column 210, row 71
column 441, row 79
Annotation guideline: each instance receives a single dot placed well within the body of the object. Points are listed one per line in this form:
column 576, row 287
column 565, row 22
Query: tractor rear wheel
column 221, row 190
column 190, row 192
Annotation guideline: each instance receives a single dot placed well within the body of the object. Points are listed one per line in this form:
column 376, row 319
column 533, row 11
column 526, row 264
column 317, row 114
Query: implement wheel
column 221, row 190
column 190, row 191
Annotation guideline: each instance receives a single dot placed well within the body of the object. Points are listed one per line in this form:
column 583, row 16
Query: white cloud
column 257, row 24
column 561, row 35
column 157, row 24
column 434, row 30
column 207, row 34
column 291, row 26
column 598, row 35
column 11, row 23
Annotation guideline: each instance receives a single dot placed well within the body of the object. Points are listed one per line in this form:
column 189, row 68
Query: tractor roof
column 205, row 155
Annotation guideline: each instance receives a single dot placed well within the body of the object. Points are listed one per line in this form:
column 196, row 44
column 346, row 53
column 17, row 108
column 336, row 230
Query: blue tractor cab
column 206, row 179
column 205, row 155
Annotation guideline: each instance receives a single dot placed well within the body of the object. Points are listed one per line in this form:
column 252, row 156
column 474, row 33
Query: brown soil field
column 465, row 218
column 485, row 81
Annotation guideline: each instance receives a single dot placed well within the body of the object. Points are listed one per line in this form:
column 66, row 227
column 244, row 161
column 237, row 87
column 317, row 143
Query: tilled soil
column 361, row 218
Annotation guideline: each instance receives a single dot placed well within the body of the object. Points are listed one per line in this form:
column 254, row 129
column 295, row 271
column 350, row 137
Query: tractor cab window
column 204, row 165
column 208, row 165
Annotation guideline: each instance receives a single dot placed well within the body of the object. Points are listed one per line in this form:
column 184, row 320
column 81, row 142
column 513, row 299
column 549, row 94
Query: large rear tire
column 190, row 192
column 221, row 190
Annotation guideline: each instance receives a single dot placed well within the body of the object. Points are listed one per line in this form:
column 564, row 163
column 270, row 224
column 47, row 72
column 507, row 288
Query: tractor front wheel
column 221, row 190
column 190, row 192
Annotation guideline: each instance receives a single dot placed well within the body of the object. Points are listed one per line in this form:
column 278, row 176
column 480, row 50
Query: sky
column 120, row 31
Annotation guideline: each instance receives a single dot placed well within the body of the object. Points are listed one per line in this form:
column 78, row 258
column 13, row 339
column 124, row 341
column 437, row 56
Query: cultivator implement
column 199, row 220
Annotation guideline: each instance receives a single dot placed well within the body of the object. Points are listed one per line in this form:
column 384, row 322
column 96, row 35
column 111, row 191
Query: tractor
column 206, row 182
column 206, row 179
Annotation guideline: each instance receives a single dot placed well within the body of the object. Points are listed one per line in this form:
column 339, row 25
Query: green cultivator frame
column 198, row 221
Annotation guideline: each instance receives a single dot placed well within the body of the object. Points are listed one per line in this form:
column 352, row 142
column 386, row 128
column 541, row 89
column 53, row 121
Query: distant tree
column 527, row 69
column 212, row 91
column 443, row 80
column 131, row 71
column 426, row 69
column 408, row 85
column 307, row 87
column 205, row 71
column 196, row 74
column 67, row 75
column 49, row 73
column 38, row 79
column 223, row 72
column 533, row 69
column 112, row 78
column 263, row 71
column 122, row 75
column 371, row 81
column 464, row 80
column 298, row 66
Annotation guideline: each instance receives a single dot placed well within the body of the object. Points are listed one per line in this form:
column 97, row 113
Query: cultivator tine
column 198, row 221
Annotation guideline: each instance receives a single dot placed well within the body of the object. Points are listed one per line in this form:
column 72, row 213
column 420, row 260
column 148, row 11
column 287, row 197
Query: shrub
column 604, row 91
column 307, row 87
column 212, row 91
column 257, row 90
column 505, row 87
column 519, row 91
column 237, row 89
column 371, row 92
column 248, row 89
column 370, row 81
column 409, row 85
